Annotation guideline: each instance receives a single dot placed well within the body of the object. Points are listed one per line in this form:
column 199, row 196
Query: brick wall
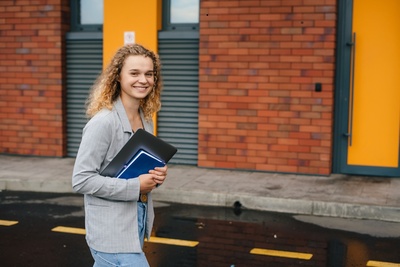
column 32, row 69
column 259, row 62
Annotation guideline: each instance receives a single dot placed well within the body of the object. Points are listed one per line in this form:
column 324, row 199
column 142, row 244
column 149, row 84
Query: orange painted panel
column 138, row 16
column 376, row 118
column 141, row 17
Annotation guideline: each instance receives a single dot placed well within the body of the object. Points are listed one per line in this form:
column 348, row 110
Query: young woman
column 119, row 212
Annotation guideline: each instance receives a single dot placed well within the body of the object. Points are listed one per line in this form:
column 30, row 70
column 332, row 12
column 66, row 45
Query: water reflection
column 228, row 236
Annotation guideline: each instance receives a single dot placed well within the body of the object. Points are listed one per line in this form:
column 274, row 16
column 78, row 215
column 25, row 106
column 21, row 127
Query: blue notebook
column 141, row 163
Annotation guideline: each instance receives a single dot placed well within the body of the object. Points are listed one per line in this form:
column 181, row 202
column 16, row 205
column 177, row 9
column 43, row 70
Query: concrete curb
column 57, row 186
column 283, row 205
column 227, row 199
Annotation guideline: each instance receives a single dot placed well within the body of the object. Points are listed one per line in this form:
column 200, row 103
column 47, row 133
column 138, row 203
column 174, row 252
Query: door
column 367, row 128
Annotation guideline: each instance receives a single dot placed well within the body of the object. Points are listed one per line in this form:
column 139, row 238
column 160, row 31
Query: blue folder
column 141, row 163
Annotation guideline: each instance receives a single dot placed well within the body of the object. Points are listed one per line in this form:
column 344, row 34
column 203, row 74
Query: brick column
column 32, row 76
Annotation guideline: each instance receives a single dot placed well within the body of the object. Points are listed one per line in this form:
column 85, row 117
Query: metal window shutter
column 177, row 121
column 84, row 56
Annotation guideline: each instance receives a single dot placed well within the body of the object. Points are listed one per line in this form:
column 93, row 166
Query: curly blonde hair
column 107, row 88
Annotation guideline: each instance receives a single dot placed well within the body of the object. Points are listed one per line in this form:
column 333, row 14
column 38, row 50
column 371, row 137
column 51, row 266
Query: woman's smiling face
column 136, row 77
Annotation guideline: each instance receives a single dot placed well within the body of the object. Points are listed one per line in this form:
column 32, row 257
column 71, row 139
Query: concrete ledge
column 283, row 205
column 223, row 199
column 192, row 197
column 255, row 191
column 3, row 185
column 56, row 186
column 356, row 211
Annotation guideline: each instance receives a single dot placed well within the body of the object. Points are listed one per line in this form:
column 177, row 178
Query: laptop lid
column 140, row 140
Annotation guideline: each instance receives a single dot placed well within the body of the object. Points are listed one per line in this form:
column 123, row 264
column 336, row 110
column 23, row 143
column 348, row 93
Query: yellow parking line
column 176, row 242
column 281, row 253
column 69, row 230
column 382, row 264
column 7, row 223
column 153, row 239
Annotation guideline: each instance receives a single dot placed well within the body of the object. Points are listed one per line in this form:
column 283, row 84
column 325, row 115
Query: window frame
column 168, row 26
column 76, row 25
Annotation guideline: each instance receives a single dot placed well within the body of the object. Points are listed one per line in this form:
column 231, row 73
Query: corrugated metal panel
column 178, row 118
column 84, row 63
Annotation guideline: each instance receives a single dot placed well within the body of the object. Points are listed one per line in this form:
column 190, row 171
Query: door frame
column 342, row 91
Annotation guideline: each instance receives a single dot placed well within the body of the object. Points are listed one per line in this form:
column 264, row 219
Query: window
column 87, row 15
column 181, row 14
column 184, row 11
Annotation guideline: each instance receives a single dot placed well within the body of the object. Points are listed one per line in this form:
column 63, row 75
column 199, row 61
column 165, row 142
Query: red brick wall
column 32, row 70
column 259, row 62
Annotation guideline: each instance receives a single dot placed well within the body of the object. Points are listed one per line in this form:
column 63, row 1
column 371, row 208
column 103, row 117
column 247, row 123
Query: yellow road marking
column 281, row 253
column 188, row 243
column 69, row 230
column 176, row 242
column 153, row 239
column 7, row 223
column 382, row 264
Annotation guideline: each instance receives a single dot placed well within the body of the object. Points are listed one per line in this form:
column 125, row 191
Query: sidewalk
column 337, row 195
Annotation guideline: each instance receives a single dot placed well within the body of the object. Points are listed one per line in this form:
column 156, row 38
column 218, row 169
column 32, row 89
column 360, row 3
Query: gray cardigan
column 110, row 203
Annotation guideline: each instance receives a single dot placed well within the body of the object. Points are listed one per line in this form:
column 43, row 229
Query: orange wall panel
column 141, row 17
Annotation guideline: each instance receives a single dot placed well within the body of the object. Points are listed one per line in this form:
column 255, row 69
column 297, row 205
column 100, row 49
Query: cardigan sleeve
column 97, row 138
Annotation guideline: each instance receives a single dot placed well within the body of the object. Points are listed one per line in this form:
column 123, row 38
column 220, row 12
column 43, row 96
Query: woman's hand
column 152, row 179
column 160, row 173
